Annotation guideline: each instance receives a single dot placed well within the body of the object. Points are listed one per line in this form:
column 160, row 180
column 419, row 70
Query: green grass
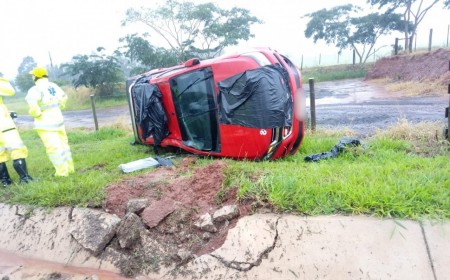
column 387, row 177
column 383, row 179
column 337, row 72
column 78, row 99
column 96, row 155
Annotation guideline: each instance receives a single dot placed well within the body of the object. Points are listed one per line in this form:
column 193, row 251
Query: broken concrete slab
column 93, row 229
column 328, row 247
column 205, row 222
column 247, row 243
column 152, row 217
column 437, row 235
column 226, row 213
column 339, row 247
column 44, row 234
column 129, row 230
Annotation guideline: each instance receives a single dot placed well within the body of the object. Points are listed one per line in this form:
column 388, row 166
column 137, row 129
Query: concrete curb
column 262, row 246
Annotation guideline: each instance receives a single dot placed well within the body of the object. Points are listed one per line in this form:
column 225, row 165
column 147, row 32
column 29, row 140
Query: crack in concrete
column 246, row 266
column 428, row 250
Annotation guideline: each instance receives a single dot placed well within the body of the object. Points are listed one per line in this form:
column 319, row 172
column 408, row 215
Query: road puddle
column 345, row 91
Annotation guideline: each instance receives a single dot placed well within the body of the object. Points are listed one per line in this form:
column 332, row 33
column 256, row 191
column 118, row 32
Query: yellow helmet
column 39, row 72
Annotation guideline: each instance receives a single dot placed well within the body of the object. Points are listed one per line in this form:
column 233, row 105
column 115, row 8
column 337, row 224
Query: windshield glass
column 195, row 104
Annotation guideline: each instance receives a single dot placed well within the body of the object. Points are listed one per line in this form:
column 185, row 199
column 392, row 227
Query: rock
column 206, row 236
column 93, row 229
column 154, row 214
column 176, row 221
column 226, row 213
column 206, row 223
column 184, row 256
column 137, row 205
column 128, row 232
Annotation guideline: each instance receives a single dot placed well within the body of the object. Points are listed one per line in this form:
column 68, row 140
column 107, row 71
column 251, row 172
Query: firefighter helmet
column 39, row 72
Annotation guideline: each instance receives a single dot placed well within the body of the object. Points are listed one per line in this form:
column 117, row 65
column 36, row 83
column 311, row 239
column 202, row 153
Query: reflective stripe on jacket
column 45, row 100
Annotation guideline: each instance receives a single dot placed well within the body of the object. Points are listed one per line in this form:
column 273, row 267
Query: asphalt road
column 365, row 107
column 356, row 104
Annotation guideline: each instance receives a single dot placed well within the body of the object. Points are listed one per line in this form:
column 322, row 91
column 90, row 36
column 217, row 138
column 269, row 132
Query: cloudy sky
column 63, row 28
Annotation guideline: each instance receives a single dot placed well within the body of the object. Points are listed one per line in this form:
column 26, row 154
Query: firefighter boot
column 21, row 168
column 4, row 175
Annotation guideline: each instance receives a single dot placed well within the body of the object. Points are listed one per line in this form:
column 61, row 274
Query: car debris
column 145, row 163
column 337, row 149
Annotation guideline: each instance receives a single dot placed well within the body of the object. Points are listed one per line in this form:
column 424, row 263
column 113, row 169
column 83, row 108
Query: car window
column 195, row 104
column 294, row 70
column 258, row 57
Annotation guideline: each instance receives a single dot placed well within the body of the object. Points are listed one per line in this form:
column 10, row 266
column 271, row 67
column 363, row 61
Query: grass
column 415, row 88
column 401, row 172
column 78, row 99
column 336, row 72
column 97, row 156
column 387, row 178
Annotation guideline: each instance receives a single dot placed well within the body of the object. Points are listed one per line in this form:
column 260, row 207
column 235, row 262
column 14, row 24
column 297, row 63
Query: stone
column 205, row 223
column 93, row 229
column 137, row 205
column 128, row 232
column 226, row 213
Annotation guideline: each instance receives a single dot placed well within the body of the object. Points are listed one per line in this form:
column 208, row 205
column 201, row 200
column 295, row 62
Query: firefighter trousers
column 58, row 151
column 11, row 146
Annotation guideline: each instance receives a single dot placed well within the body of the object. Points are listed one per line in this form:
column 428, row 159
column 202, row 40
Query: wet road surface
column 365, row 107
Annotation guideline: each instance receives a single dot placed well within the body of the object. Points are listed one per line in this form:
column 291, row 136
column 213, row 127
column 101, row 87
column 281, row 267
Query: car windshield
column 195, row 104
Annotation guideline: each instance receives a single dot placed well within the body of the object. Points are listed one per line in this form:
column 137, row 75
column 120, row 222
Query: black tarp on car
column 258, row 98
column 150, row 115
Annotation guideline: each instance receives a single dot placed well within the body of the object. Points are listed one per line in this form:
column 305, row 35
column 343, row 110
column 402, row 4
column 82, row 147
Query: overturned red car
column 243, row 106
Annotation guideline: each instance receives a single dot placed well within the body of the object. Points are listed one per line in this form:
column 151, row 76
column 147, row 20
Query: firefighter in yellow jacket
column 45, row 101
column 11, row 145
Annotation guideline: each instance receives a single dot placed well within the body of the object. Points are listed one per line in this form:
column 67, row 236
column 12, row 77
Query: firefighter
column 11, row 145
column 45, row 101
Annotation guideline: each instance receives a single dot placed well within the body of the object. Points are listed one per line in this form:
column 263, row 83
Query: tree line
column 205, row 30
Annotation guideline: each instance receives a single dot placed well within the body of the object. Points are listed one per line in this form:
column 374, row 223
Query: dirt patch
column 177, row 197
column 422, row 67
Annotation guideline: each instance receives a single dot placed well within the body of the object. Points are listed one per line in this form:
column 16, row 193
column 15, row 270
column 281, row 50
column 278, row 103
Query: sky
column 61, row 29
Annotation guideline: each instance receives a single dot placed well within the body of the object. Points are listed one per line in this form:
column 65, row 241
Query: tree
column 202, row 30
column 447, row 4
column 24, row 81
column 98, row 71
column 413, row 11
column 338, row 26
column 143, row 56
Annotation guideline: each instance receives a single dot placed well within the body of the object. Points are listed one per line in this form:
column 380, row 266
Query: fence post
column 430, row 40
column 447, row 131
column 354, row 56
column 301, row 65
column 312, row 101
column 396, row 46
column 94, row 113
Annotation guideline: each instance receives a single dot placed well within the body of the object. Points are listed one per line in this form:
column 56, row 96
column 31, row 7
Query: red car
column 241, row 106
